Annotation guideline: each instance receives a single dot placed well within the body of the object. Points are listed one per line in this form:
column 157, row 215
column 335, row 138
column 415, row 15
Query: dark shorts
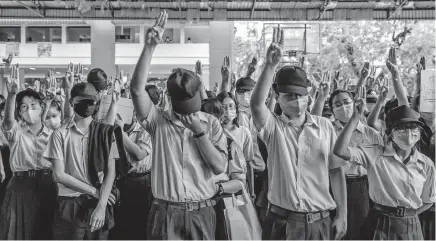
column 277, row 227
column 28, row 207
column 166, row 222
column 379, row 226
column 427, row 220
column 131, row 216
column 71, row 220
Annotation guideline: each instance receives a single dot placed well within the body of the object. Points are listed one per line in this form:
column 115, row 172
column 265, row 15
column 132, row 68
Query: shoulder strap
column 229, row 149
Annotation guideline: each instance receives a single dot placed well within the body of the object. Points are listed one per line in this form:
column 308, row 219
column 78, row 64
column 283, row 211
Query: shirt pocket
column 317, row 150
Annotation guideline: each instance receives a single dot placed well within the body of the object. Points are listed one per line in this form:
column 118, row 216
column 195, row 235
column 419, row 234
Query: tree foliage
column 370, row 41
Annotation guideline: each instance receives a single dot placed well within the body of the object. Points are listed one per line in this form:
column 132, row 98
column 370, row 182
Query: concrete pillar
column 103, row 45
column 221, row 44
column 182, row 34
column 3, row 90
column 23, row 34
column 64, row 34
column 21, row 77
column 142, row 34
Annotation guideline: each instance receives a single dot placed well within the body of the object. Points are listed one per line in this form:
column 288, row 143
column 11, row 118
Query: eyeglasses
column 229, row 107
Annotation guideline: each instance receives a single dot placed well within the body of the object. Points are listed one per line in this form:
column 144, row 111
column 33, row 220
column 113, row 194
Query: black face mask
column 85, row 108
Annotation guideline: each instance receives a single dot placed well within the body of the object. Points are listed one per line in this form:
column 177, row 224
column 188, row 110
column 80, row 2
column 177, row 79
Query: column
column 64, row 34
column 103, row 46
column 3, row 90
column 182, row 34
column 142, row 34
column 221, row 44
column 23, row 34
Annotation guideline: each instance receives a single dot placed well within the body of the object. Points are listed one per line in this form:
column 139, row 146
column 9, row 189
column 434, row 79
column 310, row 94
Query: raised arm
column 140, row 98
column 112, row 111
column 259, row 110
column 225, row 74
column 399, row 89
column 363, row 77
column 69, row 83
column 252, row 67
column 372, row 119
column 134, row 150
column 324, row 90
column 12, row 87
column 343, row 141
column 417, row 85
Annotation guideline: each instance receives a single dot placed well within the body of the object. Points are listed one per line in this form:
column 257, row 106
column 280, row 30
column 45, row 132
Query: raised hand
column 233, row 81
column 422, row 62
column 69, row 78
column 359, row 109
column 347, row 82
column 225, row 68
column 154, row 35
column 192, row 122
column 324, row 86
column 365, row 70
column 252, row 67
column 336, row 81
column 119, row 121
column 384, row 89
column 12, row 83
column 391, row 62
column 198, row 68
column 275, row 51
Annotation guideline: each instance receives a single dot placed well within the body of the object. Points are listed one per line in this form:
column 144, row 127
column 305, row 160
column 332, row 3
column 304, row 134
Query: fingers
column 282, row 39
column 422, row 62
column 274, row 40
column 158, row 20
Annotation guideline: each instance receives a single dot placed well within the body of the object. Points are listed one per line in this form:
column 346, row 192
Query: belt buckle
column 400, row 211
column 309, row 217
column 32, row 173
column 189, row 206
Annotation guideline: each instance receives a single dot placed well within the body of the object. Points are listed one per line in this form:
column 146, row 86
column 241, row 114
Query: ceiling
column 204, row 10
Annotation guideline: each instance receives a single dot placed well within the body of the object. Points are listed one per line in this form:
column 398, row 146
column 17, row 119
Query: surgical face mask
column 294, row 108
column 54, row 122
column 343, row 113
column 228, row 116
column 85, row 108
column 31, row 116
column 406, row 139
column 244, row 99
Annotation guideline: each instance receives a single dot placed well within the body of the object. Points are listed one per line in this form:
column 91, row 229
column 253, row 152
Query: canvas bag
column 242, row 222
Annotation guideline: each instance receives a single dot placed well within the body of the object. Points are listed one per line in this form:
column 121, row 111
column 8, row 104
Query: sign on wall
column 427, row 101
column 13, row 48
column 44, row 49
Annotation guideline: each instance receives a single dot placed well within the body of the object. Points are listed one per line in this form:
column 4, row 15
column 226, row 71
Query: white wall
column 197, row 34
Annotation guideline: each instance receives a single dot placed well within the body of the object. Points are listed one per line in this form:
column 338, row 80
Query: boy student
column 189, row 149
column 82, row 152
column 300, row 159
column 27, row 210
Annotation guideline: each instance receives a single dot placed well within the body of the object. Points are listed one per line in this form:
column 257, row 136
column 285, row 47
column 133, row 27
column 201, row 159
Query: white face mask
column 244, row 99
column 407, row 139
column 31, row 116
column 343, row 113
column 294, row 108
column 53, row 123
column 228, row 116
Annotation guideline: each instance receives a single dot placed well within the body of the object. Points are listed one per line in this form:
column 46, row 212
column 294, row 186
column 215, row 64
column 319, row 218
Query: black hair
column 98, row 78
column 221, row 96
column 337, row 92
column 212, row 106
column 210, row 94
column 2, row 97
column 57, row 105
column 153, row 92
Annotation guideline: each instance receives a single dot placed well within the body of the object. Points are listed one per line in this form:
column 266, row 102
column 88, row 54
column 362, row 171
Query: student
column 135, row 187
column 82, row 153
column 342, row 104
column 240, row 149
column 98, row 78
column 27, row 210
column 189, row 149
column 300, row 158
column 401, row 179
column 53, row 115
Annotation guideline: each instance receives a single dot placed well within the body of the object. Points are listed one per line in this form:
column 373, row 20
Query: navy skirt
column 28, row 208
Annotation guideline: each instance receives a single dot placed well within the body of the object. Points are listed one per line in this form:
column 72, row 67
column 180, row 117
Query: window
column 127, row 34
column 79, row 34
column 10, row 34
column 43, row 34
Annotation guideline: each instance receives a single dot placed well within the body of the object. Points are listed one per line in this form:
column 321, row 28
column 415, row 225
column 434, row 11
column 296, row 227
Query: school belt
column 188, row 206
column 137, row 174
column 355, row 179
column 33, row 173
column 303, row 217
column 395, row 211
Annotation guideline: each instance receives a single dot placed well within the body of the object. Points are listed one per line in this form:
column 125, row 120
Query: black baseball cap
column 27, row 92
column 184, row 90
column 83, row 91
column 245, row 83
column 401, row 115
column 292, row 79
column 98, row 78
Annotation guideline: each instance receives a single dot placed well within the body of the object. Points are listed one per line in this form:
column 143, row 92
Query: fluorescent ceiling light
column 32, row 68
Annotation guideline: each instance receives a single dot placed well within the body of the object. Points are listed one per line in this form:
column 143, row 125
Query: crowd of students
column 318, row 161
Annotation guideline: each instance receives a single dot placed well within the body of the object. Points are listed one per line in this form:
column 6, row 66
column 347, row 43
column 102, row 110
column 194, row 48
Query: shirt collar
column 310, row 120
column 390, row 151
column 338, row 126
column 45, row 130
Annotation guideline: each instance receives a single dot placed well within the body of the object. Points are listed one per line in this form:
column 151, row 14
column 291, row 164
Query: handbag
column 241, row 220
